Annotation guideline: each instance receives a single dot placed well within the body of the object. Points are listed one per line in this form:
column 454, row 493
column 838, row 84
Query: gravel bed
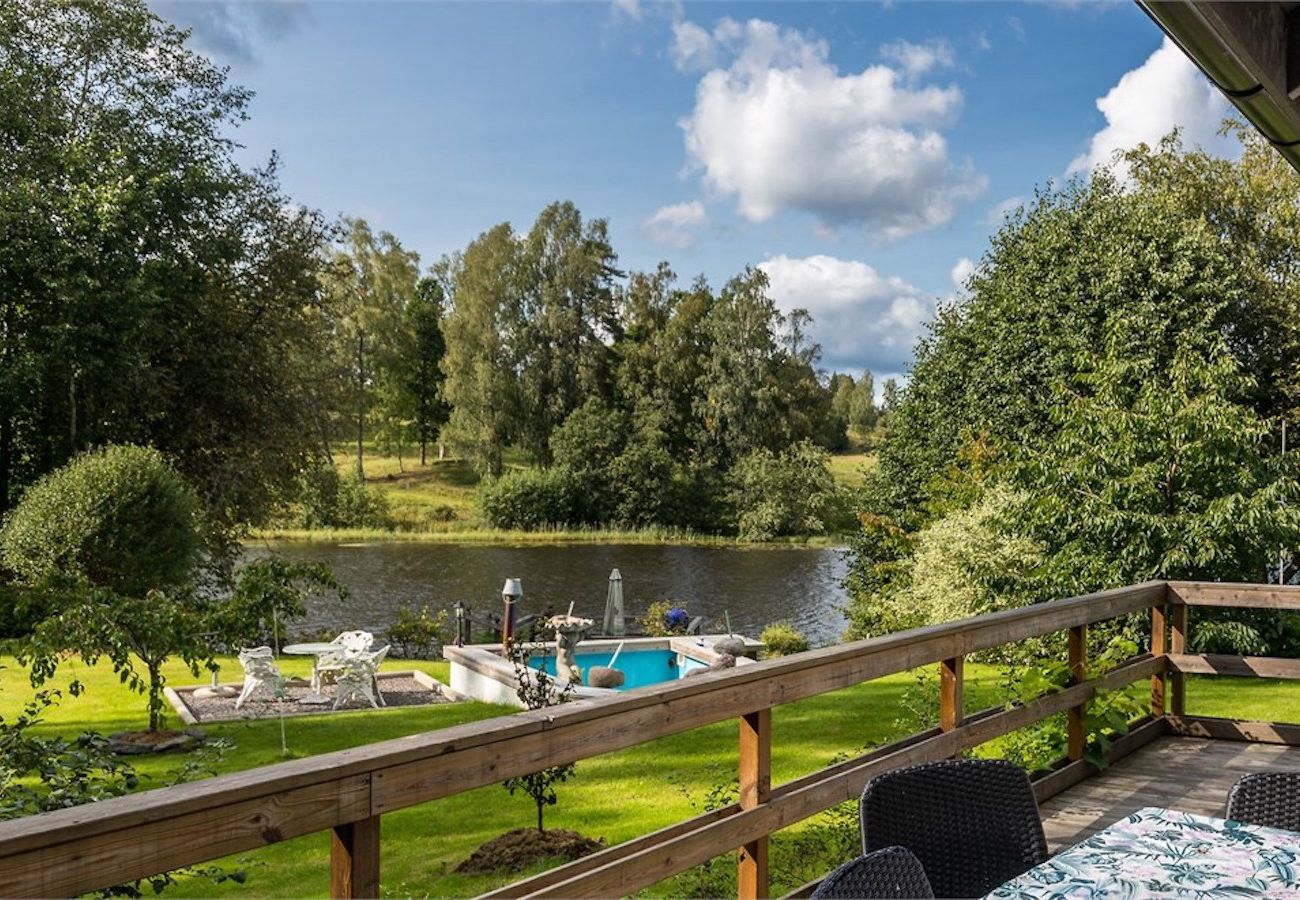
column 399, row 690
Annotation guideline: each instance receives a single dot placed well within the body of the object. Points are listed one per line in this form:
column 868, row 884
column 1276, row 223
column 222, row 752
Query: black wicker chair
column 973, row 823
column 1267, row 798
column 888, row 873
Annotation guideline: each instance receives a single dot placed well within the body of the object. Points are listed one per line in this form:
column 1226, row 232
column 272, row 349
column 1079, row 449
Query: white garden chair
column 350, row 644
column 261, row 675
column 358, row 679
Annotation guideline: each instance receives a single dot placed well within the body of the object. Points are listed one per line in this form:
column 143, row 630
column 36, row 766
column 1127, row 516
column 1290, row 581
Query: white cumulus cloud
column 918, row 59
column 779, row 128
column 674, row 226
column 862, row 319
column 961, row 272
column 234, row 30
column 1165, row 92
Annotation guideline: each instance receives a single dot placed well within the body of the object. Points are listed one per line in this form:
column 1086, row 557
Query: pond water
column 755, row 586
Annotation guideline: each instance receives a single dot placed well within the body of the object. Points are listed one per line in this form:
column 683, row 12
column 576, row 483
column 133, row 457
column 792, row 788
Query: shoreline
column 488, row 537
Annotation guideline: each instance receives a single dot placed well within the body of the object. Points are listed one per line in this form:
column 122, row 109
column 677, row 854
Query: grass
column 435, row 503
column 616, row 796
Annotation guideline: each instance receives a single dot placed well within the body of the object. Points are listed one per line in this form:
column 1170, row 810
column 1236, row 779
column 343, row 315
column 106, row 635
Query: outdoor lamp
column 510, row 595
column 460, row 623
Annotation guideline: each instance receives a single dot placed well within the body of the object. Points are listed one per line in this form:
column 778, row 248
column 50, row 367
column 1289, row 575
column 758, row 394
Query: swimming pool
column 481, row 672
column 640, row 667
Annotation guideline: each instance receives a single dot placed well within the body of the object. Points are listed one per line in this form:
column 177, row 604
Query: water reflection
column 754, row 586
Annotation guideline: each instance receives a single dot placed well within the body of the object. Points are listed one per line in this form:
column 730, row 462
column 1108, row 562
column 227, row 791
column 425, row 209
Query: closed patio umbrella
column 614, row 605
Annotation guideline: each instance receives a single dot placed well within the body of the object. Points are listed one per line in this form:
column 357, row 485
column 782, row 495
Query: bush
column 418, row 636
column 664, row 617
column 326, row 499
column 782, row 639
column 531, row 498
column 788, row 493
column 119, row 517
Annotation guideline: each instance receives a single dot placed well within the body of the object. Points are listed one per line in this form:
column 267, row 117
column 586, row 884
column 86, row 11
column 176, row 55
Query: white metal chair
column 358, row 679
column 261, row 675
column 350, row 643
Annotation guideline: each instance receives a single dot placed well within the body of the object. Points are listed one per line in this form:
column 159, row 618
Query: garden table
column 316, row 649
column 1165, row 853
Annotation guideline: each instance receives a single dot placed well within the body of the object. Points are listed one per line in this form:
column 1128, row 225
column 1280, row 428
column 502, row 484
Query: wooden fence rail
column 82, row 849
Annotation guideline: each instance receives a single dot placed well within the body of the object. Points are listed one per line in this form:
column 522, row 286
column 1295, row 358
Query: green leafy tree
column 567, row 271
column 538, row 690
column 371, row 279
column 483, row 333
column 151, row 290
column 791, row 492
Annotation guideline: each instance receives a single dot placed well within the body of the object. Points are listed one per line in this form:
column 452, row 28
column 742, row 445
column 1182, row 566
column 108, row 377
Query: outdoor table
column 316, row 649
column 1165, row 853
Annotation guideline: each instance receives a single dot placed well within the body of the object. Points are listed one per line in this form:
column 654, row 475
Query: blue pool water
column 641, row 667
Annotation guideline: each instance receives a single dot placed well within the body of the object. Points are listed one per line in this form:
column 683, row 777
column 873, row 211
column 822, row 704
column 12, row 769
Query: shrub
column 529, row 499
column 418, row 636
column 664, row 617
column 327, row 499
column 782, row 639
column 786, row 493
column 119, row 517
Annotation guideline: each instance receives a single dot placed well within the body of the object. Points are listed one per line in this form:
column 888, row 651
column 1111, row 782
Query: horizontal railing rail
column 86, row 848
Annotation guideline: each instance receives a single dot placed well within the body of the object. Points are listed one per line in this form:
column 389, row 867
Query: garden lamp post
column 510, row 595
column 459, row 610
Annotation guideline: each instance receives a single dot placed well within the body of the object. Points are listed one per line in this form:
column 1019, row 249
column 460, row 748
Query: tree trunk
column 424, row 443
column 442, row 450
column 155, row 697
column 361, row 406
column 540, row 807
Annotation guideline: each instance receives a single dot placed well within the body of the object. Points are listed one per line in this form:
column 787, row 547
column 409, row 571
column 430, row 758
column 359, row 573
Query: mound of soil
column 519, row 849
column 134, row 743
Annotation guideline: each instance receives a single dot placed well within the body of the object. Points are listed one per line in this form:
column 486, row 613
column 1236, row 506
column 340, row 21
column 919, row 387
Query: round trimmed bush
column 120, row 517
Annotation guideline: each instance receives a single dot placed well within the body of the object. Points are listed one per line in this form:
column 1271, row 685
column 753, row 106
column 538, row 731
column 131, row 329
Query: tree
column 483, row 333
column 791, row 492
column 372, row 278
column 568, row 313
column 422, row 369
column 152, row 291
column 738, row 395
column 862, row 403
column 538, row 690
column 109, row 552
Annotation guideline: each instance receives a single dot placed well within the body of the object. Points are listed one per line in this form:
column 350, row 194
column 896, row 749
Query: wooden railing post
column 1178, row 644
column 354, row 860
column 755, row 788
column 1158, row 648
column 951, row 710
column 1077, row 737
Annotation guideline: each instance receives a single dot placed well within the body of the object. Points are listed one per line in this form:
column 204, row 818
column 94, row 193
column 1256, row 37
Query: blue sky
column 859, row 152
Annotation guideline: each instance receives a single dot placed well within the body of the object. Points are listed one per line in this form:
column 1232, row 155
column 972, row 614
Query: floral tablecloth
column 1166, row 853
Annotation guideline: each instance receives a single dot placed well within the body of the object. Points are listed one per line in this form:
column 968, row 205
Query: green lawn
column 616, row 796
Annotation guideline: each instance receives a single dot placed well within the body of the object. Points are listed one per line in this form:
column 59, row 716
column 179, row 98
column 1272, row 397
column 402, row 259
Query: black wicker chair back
column 1267, row 798
column 973, row 823
column 889, row 873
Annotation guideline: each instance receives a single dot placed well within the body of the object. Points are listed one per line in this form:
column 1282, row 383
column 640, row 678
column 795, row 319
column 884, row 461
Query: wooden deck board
column 1188, row 774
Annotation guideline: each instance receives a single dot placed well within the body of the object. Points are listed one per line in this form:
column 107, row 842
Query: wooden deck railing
column 347, row 792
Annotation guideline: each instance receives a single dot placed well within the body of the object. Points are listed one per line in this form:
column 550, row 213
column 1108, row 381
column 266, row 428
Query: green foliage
column 326, row 499
column 655, row 620
column 531, row 499
column 119, row 517
column 538, row 690
column 268, row 593
column 1106, row 718
column 161, row 294
column 418, row 636
column 791, row 492
column 782, row 639
column 1119, row 364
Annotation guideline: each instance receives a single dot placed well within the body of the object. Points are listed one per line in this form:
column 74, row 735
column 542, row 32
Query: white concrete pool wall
column 481, row 672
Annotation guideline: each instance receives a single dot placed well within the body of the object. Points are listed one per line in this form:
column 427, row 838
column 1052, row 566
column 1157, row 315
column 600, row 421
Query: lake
column 755, row 586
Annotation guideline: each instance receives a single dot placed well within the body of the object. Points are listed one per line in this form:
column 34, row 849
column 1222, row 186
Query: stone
column 605, row 677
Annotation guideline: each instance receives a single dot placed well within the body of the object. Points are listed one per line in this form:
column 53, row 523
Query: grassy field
column 435, row 502
column 617, row 796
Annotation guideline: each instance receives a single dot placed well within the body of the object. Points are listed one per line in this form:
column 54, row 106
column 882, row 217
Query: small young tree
column 538, row 690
